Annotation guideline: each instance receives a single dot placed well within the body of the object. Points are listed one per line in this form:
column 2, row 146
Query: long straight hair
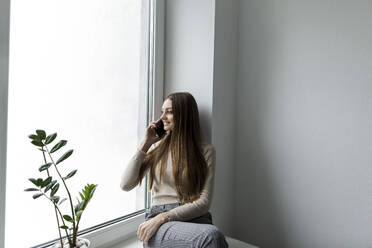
column 189, row 167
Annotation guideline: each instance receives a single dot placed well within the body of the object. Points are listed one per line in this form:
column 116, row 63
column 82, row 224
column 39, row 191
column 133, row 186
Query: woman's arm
column 200, row 206
column 129, row 178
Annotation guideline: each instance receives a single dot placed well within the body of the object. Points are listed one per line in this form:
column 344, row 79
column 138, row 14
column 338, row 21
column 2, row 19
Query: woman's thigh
column 187, row 234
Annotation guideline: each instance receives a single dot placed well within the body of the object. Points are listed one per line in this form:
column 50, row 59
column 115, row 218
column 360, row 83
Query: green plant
column 69, row 222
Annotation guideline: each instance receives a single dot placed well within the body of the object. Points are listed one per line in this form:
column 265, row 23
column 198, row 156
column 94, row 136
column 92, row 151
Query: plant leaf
column 37, row 143
column 41, row 134
column 58, row 145
column 40, row 181
column 68, row 218
column 71, row 174
column 31, row 189
column 54, row 189
column 50, row 138
column 79, row 206
column 87, row 195
column 64, row 199
column 46, row 182
column 34, row 137
column 37, row 195
column 50, row 185
column 55, row 199
column 45, row 166
column 64, row 227
column 78, row 214
column 64, row 156
column 34, row 181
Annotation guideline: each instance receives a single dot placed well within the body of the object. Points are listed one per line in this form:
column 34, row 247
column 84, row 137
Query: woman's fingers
column 142, row 236
column 153, row 124
column 146, row 236
column 151, row 130
column 139, row 231
column 145, row 232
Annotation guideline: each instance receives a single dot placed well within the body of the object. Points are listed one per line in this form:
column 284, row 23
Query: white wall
column 304, row 123
column 200, row 57
column 4, row 65
column 189, row 36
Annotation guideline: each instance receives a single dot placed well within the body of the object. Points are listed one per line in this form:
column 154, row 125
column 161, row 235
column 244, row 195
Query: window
column 85, row 70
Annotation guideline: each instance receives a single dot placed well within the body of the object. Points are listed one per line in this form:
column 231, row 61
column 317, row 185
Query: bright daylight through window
column 76, row 68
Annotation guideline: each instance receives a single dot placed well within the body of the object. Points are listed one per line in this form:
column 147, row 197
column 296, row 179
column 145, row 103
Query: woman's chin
column 167, row 129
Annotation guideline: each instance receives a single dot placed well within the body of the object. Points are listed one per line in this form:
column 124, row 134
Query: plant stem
column 59, row 230
column 69, row 196
column 77, row 225
column 60, row 214
column 55, row 208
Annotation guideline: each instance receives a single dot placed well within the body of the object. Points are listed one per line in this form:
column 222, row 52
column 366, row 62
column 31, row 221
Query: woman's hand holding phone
column 151, row 137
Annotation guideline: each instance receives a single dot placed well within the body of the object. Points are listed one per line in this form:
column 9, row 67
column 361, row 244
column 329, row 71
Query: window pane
column 75, row 70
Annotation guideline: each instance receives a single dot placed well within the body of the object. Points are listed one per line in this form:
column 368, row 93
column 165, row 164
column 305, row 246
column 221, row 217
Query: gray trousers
column 198, row 232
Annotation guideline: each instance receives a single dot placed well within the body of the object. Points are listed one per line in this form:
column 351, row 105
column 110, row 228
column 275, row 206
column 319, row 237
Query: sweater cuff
column 172, row 216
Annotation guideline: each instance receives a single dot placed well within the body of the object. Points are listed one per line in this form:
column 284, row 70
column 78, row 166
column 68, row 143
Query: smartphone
column 159, row 128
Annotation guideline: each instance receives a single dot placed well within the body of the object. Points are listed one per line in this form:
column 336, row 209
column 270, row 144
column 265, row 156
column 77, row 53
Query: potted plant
column 48, row 188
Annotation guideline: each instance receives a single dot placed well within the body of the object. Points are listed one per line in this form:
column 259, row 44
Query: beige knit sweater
column 166, row 193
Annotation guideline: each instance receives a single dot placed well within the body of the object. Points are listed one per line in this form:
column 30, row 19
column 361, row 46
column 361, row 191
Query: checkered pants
column 198, row 232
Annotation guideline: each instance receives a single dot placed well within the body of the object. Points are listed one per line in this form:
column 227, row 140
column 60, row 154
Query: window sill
column 131, row 242
column 118, row 233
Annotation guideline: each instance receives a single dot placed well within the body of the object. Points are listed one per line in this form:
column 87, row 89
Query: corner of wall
column 224, row 106
column 235, row 107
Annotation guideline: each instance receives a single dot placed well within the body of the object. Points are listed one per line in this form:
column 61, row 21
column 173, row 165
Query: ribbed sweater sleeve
column 129, row 178
column 200, row 206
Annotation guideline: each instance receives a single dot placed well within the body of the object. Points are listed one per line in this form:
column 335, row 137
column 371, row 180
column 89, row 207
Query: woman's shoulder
column 207, row 148
column 209, row 153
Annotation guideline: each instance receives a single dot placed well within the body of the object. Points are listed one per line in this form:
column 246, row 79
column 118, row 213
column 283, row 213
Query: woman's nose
column 162, row 116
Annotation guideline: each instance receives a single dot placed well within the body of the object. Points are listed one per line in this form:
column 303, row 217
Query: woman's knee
column 212, row 231
column 212, row 237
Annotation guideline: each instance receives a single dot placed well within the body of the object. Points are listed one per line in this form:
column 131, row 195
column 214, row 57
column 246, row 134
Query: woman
column 181, row 179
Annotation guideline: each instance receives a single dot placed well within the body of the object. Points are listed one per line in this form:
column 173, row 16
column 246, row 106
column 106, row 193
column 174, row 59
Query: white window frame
column 119, row 231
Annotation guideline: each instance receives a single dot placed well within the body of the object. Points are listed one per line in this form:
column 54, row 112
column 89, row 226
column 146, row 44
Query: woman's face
column 167, row 115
